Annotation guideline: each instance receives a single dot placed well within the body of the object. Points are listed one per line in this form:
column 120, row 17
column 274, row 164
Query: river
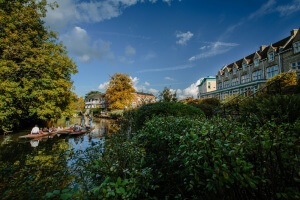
column 45, row 164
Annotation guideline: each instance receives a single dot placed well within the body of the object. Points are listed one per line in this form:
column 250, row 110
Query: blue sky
column 165, row 43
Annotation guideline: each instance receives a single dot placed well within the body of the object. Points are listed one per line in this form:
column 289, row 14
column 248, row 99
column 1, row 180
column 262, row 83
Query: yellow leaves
column 120, row 91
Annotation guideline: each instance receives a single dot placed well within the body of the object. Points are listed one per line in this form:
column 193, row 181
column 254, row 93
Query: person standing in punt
column 90, row 120
column 67, row 121
column 82, row 119
column 35, row 130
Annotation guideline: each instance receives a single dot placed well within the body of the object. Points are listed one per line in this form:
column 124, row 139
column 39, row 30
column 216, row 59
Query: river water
column 42, row 165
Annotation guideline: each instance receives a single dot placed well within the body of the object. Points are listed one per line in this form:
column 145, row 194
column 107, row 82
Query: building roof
column 146, row 94
column 203, row 80
column 95, row 96
column 280, row 45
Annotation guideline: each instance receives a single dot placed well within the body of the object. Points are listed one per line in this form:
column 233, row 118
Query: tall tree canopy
column 92, row 93
column 167, row 96
column 35, row 71
column 120, row 91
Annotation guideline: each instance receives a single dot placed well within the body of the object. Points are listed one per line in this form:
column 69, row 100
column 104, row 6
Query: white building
column 207, row 84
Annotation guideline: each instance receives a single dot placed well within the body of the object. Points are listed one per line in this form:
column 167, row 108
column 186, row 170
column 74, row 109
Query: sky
column 165, row 43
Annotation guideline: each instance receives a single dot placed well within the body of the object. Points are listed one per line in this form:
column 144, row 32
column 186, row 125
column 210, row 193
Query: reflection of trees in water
column 27, row 173
column 104, row 127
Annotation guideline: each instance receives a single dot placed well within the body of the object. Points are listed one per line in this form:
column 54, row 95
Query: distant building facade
column 207, row 84
column 95, row 101
column 141, row 98
column 247, row 74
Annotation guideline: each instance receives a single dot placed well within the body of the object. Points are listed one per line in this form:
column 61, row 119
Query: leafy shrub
column 136, row 118
column 115, row 114
column 96, row 111
column 208, row 106
column 281, row 81
column 281, row 108
column 216, row 159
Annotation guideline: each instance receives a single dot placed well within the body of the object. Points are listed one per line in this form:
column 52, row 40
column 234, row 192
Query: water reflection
column 34, row 143
column 41, row 165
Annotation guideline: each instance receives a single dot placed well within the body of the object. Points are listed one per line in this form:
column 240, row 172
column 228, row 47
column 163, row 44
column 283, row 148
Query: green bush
column 191, row 158
column 96, row 111
column 216, row 159
column 209, row 105
column 135, row 119
column 115, row 114
column 281, row 108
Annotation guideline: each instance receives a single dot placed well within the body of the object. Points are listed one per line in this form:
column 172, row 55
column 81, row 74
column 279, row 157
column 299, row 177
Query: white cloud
column 79, row 44
column 150, row 55
column 74, row 11
column 213, row 49
column 126, row 60
column 169, row 78
column 147, row 83
column 130, row 51
column 153, row 91
column 289, row 8
column 135, row 81
column 190, row 91
column 179, row 67
column 183, row 37
column 267, row 8
column 103, row 86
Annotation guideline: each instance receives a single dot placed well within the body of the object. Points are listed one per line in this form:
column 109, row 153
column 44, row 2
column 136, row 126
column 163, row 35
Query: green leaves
column 35, row 70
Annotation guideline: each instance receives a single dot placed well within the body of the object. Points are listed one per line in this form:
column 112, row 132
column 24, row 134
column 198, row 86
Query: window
column 208, row 85
column 296, row 65
column 226, row 84
column 245, row 78
column 244, row 66
column 219, row 85
column 271, row 56
column 235, row 81
column 256, row 62
column 226, row 73
column 234, row 70
column 272, row 71
column 296, row 47
column 257, row 75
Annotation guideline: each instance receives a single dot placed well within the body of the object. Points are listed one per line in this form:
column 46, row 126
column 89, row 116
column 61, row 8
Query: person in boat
column 76, row 127
column 41, row 131
column 90, row 120
column 35, row 130
column 52, row 129
column 82, row 119
column 67, row 121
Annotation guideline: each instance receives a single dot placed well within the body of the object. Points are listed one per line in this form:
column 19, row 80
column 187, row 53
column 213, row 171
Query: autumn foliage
column 119, row 93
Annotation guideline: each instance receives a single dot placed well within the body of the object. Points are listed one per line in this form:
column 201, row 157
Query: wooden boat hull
column 38, row 135
column 81, row 132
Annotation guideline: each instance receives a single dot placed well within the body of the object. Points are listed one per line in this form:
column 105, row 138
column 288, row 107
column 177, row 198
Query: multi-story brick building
column 141, row 98
column 247, row 74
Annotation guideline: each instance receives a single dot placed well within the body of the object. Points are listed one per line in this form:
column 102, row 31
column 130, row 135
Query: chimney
column 262, row 47
column 294, row 32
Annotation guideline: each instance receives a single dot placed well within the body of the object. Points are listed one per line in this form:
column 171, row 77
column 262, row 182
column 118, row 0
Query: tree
column 35, row 71
column 92, row 93
column 167, row 96
column 120, row 91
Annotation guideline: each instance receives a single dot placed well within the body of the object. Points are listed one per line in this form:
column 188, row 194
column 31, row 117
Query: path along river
column 44, row 164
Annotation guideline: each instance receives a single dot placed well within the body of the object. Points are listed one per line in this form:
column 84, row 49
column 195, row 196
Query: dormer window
column 256, row 62
column 296, row 46
column 271, row 56
column 234, row 70
column 226, row 73
column 244, row 66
